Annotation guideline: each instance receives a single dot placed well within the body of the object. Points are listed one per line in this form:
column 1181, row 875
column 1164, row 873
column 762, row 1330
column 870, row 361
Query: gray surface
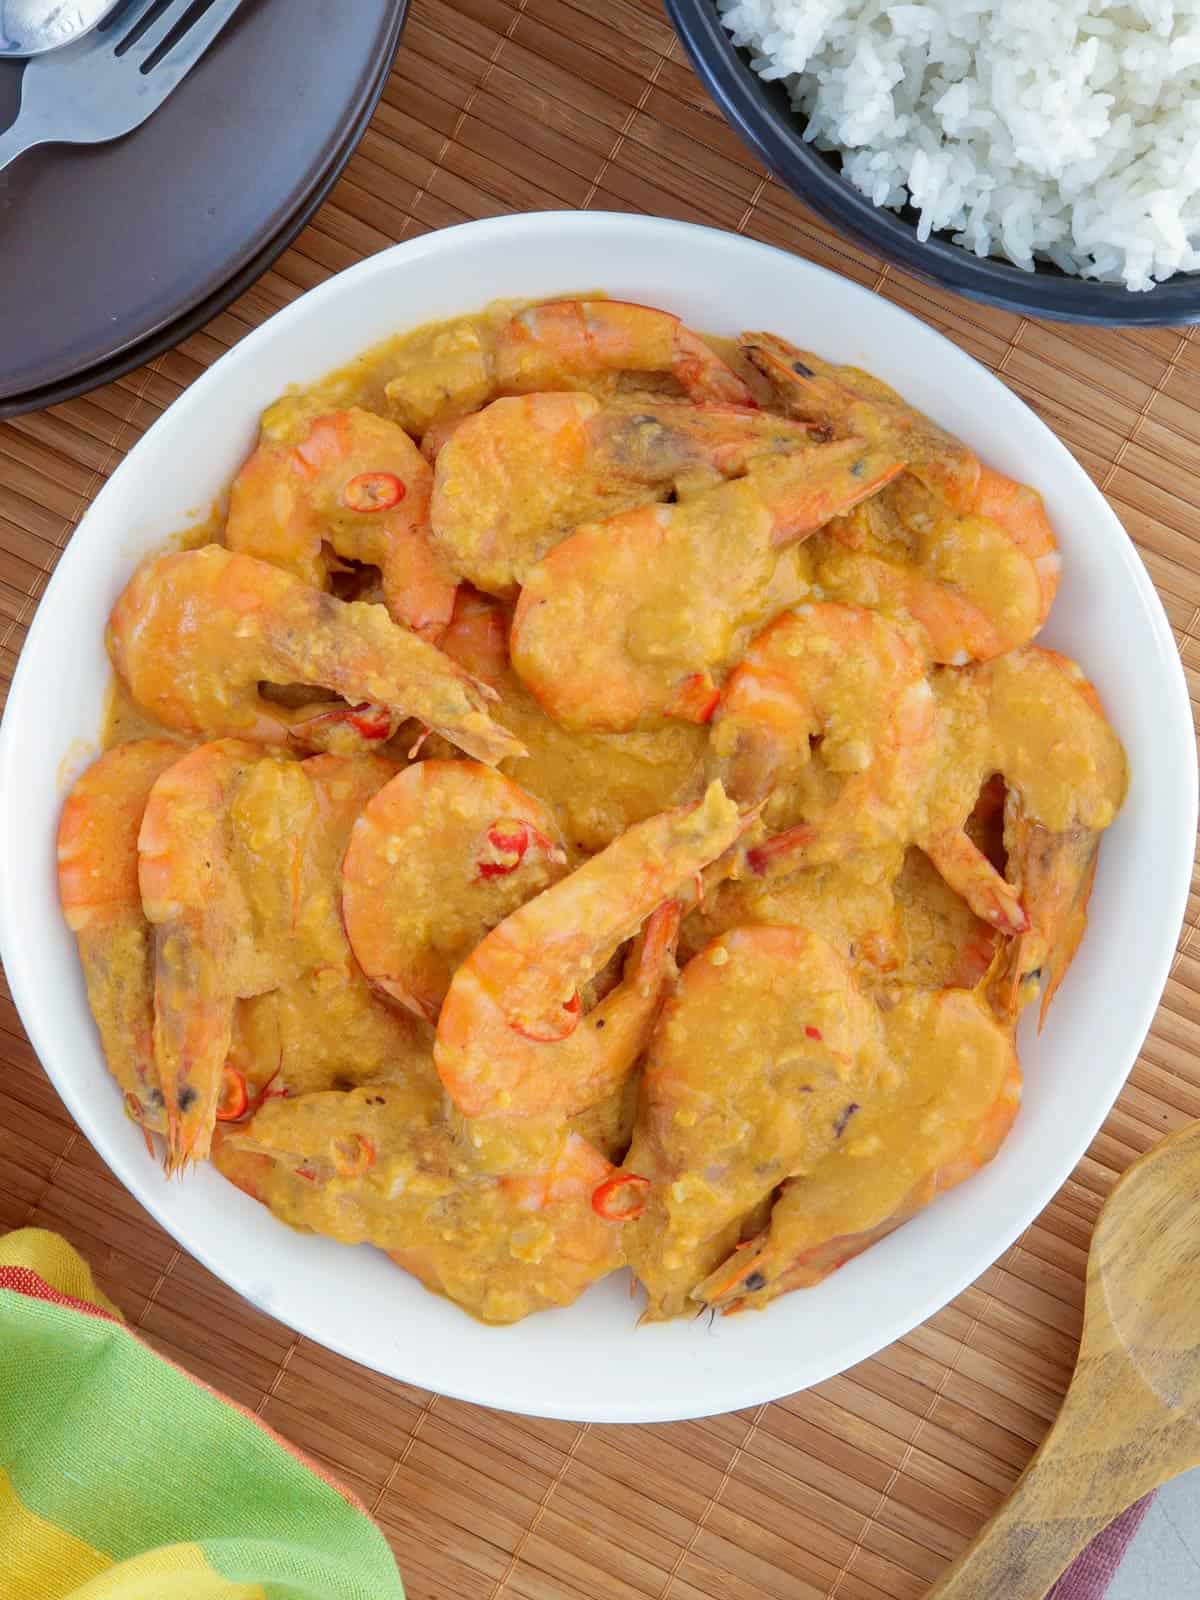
column 1163, row 1561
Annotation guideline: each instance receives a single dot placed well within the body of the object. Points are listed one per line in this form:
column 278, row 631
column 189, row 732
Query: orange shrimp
column 98, row 887
column 598, row 784
column 839, row 689
column 441, row 854
column 516, row 998
column 839, row 401
column 326, row 1027
column 354, row 486
column 553, row 1239
column 1032, row 717
column 379, row 1165
column 513, row 480
column 760, row 1059
column 628, row 621
column 225, row 816
column 959, row 549
column 565, row 344
column 946, row 1105
column 195, row 634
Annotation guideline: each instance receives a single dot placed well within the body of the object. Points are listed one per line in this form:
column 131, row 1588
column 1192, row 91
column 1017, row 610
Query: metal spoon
column 31, row 27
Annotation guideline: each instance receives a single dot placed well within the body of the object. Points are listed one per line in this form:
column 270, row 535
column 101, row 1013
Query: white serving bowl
column 591, row 1361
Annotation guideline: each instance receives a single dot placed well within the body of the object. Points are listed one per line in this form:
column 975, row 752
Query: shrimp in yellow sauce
column 959, row 550
column 353, row 488
column 656, row 878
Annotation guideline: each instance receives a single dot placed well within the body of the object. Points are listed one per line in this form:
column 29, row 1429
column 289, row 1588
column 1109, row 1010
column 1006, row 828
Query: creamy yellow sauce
column 838, row 1048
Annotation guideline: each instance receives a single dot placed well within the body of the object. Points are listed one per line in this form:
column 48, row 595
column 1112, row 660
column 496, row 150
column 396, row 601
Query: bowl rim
column 607, row 230
column 778, row 140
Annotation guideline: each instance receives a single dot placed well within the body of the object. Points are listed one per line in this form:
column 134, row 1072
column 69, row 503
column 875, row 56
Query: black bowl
column 760, row 113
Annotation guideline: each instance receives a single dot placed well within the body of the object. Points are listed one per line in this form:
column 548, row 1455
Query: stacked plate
column 112, row 253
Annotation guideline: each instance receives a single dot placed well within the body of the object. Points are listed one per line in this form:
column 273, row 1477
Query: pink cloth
column 1090, row 1574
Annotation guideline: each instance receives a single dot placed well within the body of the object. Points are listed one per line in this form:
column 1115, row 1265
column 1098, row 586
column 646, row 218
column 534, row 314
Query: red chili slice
column 373, row 722
column 234, row 1097
column 550, row 1032
column 367, row 719
column 813, row 1033
column 373, row 491
column 606, row 1204
column 505, row 844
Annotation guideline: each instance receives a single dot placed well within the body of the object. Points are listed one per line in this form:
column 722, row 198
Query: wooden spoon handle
column 1029, row 1542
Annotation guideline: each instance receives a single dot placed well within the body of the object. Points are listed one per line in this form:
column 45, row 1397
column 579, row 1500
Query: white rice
column 1062, row 129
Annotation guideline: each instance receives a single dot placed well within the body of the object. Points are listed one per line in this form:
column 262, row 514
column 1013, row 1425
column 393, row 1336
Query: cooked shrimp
column 517, row 995
column 534, row 1241
column 1052, row 876
column 324, row 1028
column 379, row 1165
column 886, row 911
column 219, row 867
column 829, row 718
column 1032, row 717
column 628, row 621
column 444, row 372
column 944, row 1109
column 759, row 1061
column 850, row 903
column 516, row 478
column 578, row 1080
column 354, row 486
column 565, row 344
column 597, row 784
column 961, row 550
column 196, row 633
column 838, row 402
column 965, row 580
column 98, row 887
column 438, row 857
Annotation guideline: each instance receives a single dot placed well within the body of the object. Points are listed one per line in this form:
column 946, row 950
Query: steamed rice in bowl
column 1059, row 130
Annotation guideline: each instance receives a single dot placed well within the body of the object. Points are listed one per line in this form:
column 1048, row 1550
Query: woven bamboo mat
column 862, row 1488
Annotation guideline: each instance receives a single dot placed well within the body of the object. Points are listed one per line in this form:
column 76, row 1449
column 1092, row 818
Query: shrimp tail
column 1055, row 872
column 968, row 871
column 190, row 1046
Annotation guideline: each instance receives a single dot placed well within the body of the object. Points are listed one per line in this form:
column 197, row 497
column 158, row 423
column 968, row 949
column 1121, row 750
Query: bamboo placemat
column 862, row 1488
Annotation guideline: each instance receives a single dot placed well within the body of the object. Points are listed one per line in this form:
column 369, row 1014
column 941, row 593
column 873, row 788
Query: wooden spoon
column 1131, row 1417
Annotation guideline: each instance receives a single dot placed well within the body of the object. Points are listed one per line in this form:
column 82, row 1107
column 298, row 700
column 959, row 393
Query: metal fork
column 110, row 82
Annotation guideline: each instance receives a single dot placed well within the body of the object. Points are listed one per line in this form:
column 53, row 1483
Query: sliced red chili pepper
column 373, row 491
column 306, row 1172
column 550, row 1032
column 373, row 722
column 234, row 1097
column 605, row 1201
column 813, row 1033
column 367, row 719
column 354, row 1156
column 504, row 847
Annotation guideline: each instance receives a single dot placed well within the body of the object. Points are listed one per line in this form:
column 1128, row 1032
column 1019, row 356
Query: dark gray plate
column 110, row 254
